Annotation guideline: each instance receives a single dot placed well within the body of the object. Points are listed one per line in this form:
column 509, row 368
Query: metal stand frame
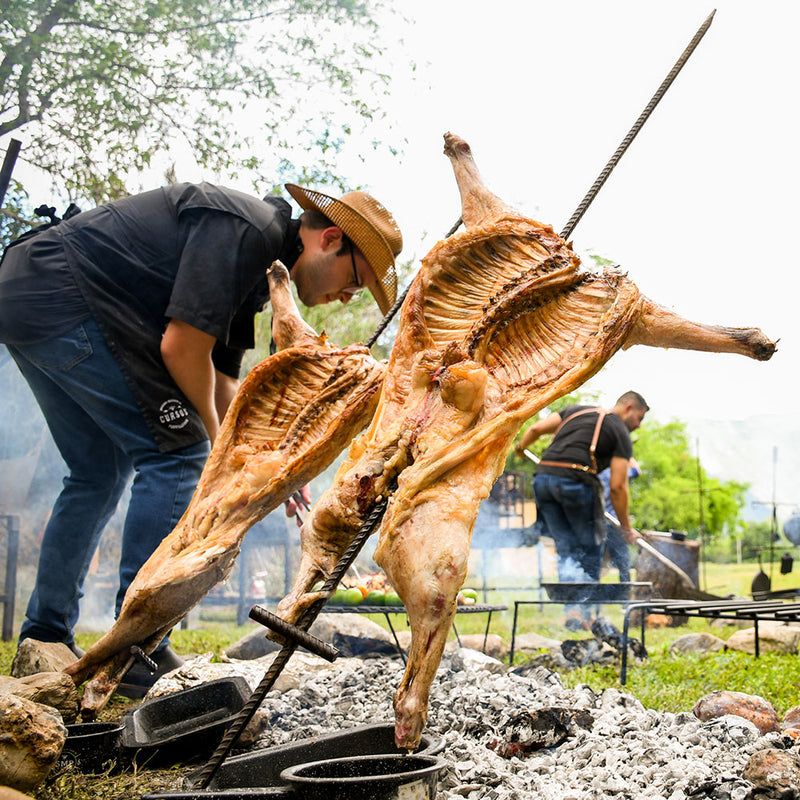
column 776, row 611
column 10, row 585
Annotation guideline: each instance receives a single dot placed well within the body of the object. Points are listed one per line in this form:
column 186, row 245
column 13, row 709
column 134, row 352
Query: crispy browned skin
column 292, row 416
column 499, row 322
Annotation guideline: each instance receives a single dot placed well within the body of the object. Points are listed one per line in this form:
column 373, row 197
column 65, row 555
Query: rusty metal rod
column 300, row 637
column 206, row 774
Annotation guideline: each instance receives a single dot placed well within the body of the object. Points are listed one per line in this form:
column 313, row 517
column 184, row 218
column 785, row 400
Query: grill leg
column 10, row 589
column 513, row 634
column 396, row 640
column 755, row 627
column 624, row 672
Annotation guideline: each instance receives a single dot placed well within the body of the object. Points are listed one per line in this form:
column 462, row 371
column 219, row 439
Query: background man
column 129, row 323
column 569, row 496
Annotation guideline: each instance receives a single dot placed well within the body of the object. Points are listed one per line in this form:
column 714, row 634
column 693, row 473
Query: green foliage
column 15, row 217
column 747, row 542
column 102, row 89
column 667, row 494
column 668, row 682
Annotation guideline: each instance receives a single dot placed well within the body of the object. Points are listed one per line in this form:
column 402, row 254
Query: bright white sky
column 702, row 210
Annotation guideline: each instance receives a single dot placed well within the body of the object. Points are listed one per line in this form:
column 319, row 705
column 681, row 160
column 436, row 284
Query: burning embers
column 537, row 729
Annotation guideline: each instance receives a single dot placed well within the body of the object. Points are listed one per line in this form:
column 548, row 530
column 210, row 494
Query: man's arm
column 539, row 428
column 186, row 352
column 620, row 497
column 224, row 391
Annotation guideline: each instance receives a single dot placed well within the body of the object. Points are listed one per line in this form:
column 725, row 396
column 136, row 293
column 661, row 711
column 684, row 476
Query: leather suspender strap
column 601, row 412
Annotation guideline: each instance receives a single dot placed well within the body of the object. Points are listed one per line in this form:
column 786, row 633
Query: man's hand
column 300, row 499
column 630, row 535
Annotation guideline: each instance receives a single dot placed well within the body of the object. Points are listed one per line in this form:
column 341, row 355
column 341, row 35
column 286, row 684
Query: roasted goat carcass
column 499, row 322
column 292, row 416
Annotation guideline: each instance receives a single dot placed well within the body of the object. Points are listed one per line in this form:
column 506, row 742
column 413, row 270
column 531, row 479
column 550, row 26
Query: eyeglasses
column 357, row 284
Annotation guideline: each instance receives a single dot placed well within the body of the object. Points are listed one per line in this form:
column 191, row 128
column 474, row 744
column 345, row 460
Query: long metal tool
column 601, row 178
column 687, row 582
column 206, row 774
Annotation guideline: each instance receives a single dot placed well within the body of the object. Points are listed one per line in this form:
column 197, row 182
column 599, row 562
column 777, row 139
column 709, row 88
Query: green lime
column 472, row 594
column 352, row 597
column 374, row 598
column 337, row 598
column 392, row 599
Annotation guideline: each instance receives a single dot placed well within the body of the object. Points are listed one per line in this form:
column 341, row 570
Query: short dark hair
column 634, row 398
column 317, row 221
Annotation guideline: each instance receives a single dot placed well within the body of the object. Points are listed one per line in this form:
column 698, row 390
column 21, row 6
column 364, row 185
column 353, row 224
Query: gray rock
column 32, row 737
column 351, row 634
column 33, row 656
column 495, row 646
column 55, row 689
column 465, row 658
column 771, row 638
column 533, row 642
column 253, row 645
column 791, row 719
column 696, row 643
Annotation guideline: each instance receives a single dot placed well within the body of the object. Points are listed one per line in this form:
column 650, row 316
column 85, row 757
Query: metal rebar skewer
column 206, row 774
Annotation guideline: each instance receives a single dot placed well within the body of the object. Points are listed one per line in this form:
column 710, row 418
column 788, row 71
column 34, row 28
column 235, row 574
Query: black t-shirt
column 194, row 252
column 571, row 443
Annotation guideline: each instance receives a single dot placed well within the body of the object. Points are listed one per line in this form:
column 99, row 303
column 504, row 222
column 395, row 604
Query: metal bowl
column 384, row 777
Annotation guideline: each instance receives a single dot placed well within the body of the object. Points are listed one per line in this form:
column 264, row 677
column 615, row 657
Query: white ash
column 629, row 752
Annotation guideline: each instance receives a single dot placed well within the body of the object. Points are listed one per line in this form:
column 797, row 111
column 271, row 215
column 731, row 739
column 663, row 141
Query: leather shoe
column 76, row 650
column 139, row 678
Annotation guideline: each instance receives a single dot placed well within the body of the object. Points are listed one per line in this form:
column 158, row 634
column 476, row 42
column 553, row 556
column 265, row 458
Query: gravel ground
column 608, row 744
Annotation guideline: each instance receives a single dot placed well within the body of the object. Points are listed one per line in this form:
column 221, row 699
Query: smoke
column 31, row 474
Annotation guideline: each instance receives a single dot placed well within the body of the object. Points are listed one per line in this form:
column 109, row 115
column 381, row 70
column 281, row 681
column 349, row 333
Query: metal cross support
column 295, row 636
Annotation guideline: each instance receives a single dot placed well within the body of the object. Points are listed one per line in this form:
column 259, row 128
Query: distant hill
column 744, row 450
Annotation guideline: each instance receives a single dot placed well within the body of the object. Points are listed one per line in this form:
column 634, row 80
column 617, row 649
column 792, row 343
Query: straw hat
column 371, row 228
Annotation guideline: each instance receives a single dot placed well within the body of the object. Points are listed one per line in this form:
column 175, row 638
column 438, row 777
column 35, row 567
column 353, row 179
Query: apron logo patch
column 174, row 414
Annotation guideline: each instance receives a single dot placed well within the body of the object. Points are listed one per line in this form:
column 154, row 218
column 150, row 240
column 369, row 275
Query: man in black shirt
column 129, row 323
column 569, row 495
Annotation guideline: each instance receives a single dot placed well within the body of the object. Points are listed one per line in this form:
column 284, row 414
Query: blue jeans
column 567, row 508
column 103, row 438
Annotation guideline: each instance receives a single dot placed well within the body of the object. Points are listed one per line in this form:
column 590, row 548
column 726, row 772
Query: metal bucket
column 382, row 777
column 92, row 746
